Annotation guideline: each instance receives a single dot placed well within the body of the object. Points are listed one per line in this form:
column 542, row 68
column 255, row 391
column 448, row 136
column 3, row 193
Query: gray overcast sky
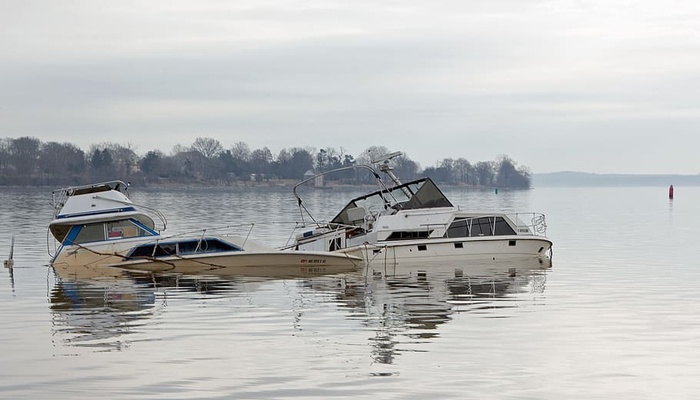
column 596, row 86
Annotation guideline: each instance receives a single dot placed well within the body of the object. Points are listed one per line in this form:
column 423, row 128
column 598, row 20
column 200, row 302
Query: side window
column 108, row 231
column 90, row 233
column 481, row 226
column 123, row 229
column 502, row 227
column 458, row 228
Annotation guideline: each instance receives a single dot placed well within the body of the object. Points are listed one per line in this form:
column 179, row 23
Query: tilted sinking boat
column 98, row 227
column 415, row 222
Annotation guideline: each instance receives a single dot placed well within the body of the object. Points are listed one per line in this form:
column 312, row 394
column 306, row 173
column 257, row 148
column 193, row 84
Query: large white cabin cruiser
column 98, row 228
column 414, row 222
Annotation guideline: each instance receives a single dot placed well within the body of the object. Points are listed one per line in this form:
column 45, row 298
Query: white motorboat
column 99, row 229
column 414, row 222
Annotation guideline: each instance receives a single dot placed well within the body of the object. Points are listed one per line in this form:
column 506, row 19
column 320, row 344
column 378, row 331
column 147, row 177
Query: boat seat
column 356, row 215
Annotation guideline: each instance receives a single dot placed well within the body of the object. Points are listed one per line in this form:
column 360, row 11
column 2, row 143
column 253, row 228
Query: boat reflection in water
column 404, row 305
column 97, row 306
column 399, row 308
column 99, row 312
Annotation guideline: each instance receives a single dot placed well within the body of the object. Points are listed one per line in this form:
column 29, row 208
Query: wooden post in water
column 10, row 262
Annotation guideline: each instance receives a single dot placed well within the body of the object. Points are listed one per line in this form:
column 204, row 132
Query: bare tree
column 24, row 153
column 463, row 171
column 208, row 147
column 125, row 158
column 372, row 153
column 61, row 160
column 405, row 168
column 241, row 151
column 178, row 148
column 485, row 173
column 509, row 176
column 260, row 161
column 110, row 160
column 4, row 153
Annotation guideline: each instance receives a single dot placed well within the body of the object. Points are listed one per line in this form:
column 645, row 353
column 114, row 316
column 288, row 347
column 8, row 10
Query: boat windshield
column 100, row 231
column 182, row 247
column 421, row 193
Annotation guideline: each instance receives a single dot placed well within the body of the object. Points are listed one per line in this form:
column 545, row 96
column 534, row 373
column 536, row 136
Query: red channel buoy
column 670, row 192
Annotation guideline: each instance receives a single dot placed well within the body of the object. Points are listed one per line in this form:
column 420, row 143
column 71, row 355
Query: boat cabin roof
column 117, row 185
column 69, row 195
column 421, row 193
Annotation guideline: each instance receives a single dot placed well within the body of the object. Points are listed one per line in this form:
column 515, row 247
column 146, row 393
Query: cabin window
column 407, row 235
column 459, row 245
column 154, row 250
column 334, row 244
column 108, row 231
column 458, row 228
column 185, row 247
column 502, row 227
column 481, row 226
column 207, row 245
column 422, row 247
column 123, row 229
column 90, row 233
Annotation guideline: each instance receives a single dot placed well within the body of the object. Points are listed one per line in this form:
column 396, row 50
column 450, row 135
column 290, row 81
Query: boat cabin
column 100, row 212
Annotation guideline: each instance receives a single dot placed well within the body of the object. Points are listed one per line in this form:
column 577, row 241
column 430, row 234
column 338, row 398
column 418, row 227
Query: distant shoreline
column 549, row 179
column 587, row 179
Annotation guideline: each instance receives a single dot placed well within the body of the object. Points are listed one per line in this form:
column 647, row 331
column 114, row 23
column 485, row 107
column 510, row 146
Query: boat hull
column 275, row 263
column 441, row 251
column 108, row 259
column 92, row 260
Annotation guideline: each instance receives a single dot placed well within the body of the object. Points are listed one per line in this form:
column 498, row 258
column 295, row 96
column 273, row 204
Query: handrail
column 159, row 215
column 537, row 223
column 382, row 187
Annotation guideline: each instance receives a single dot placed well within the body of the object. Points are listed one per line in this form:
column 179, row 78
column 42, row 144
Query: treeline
column 29, row 161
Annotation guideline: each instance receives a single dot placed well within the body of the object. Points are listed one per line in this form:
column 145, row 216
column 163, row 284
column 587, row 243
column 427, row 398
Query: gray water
column 615, row 317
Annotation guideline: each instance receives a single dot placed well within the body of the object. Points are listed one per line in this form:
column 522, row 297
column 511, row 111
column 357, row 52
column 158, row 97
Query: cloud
column 436, row 80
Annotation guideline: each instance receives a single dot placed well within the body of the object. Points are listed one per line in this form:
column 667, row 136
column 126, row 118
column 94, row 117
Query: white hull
column 92, row 261
column 442, row 251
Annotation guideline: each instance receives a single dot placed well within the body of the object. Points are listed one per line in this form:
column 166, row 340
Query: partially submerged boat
column 415, row 222
column 227, row 255
column 99, row 229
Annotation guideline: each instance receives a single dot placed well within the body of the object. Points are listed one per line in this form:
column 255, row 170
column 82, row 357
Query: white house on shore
column 318, row 182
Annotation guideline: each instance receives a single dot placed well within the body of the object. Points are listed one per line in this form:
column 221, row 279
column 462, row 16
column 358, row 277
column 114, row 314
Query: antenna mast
column 384, row 166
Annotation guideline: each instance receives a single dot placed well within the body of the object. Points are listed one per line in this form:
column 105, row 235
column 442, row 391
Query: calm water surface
column 615, row 317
